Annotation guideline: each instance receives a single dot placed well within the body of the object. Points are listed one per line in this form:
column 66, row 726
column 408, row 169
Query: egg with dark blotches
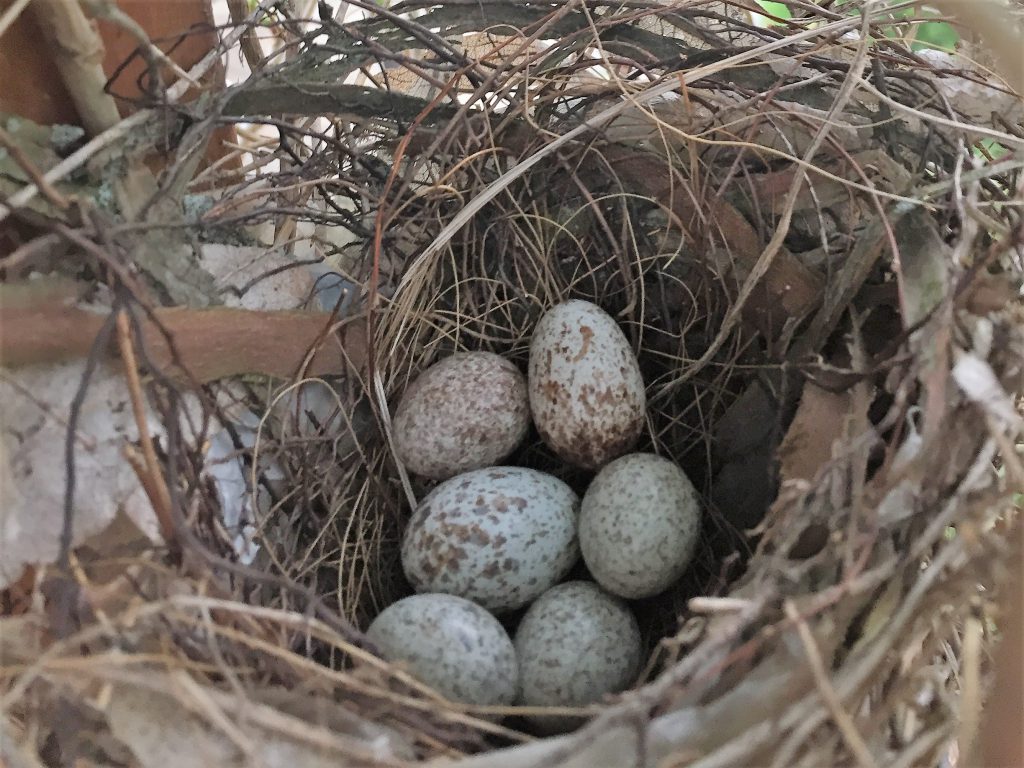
column 497, row 536
column 467, row 411
column 575, row 645
column 640, row 521
column 586, row 392
column 452, row 645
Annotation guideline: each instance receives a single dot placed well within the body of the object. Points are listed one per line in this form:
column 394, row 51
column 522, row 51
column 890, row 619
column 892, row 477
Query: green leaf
column 773, row 8
column 936, row 34
column 776, row 8
column 989, row 148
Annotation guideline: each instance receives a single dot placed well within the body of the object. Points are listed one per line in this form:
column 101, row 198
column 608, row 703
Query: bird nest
column 819, row 283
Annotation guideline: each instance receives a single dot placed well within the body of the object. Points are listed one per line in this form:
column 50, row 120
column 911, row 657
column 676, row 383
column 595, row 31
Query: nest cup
column 501, row 291
column 486, row 292
column 785, row 388
column 718, row 404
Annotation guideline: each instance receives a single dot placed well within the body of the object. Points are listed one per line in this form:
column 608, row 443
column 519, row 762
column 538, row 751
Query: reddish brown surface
column 31, row 85
column 212, row 343
column 183, row 29
column 820, row 421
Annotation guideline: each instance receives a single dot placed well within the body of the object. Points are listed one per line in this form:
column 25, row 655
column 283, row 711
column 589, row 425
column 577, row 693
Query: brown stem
column 211, row 343
column 78, row 53
column 155, row 484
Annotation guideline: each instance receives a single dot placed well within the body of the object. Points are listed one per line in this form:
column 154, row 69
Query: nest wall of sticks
column 793, row 234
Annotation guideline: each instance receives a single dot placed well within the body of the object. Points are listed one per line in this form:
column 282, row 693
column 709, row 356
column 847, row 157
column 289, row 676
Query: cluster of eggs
column 490, row 539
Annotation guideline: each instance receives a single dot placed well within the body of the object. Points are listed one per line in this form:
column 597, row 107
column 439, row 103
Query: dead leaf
column 103, row 554
column 794, row 136
column 788, row 291
column 21, row 638
column 744, row 439
column 845, row 284
column 988, row 293
column 770, row 188
column 923, row 267
column 33, row 425
column 746, row 423
column 257, row 278
column 224, row 730
column 745, row 487
column 39, row 144
column 17, row 599
column 979, row 382
column 820, row 421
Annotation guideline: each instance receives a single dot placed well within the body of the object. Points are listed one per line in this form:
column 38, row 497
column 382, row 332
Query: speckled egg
column 452, row 645
column 467, row 411
column 639, row 525
column 576, row 644
column 497, row 536
column 586, row 392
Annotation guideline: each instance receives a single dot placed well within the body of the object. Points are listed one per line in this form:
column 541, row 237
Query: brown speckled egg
column 639, row 525
column 576, row 644
column 452, row 645
column 498, row 537
column 467, row 411
column 586, row 392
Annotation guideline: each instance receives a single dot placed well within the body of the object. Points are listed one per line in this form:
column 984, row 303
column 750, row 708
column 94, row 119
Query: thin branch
column 828, row 694
column 971, row 686
column 74, row 413
column 9, row 143
column 156, row 481
column 213, row 343
column 657, row 91
column 78, row 52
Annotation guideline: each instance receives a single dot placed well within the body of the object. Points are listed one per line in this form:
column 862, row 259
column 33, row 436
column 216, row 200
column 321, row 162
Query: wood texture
column 211, row 343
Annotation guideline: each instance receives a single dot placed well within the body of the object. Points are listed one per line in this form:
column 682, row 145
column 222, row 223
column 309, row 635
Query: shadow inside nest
column 557, row 235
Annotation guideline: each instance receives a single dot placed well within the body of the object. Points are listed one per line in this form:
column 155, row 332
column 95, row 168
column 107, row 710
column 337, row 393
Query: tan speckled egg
column 639, row 525
column 576, row 644
column 467, row 411
column 497, row 536
column 586, row 392
column 452, row 645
